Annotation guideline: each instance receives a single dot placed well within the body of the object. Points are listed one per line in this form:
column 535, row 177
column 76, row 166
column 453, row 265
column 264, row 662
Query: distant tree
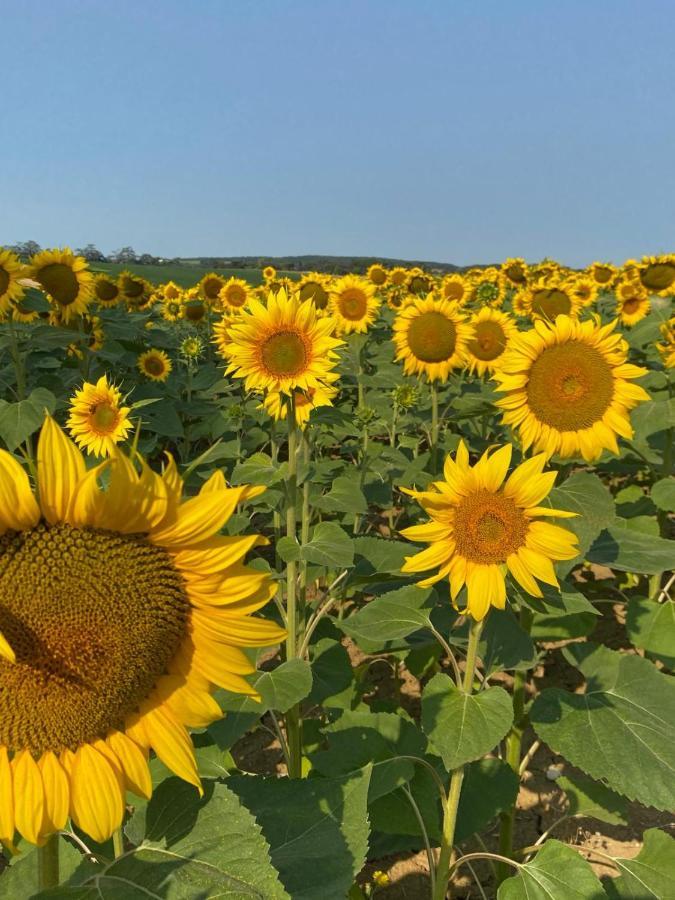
column 91, row 253
column 123, row 255
column 25, row 249
column 146, row 259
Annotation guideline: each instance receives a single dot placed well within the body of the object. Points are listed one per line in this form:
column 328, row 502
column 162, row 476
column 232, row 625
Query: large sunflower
column 106, row 290
column 136, row 291
column 430, row 337
column 481, row 527
column 282, row 347
column 121, row 608
column 155, row 365
column 210, row 287
column 548, row 298
column 66, row 280
column 97, row 420
column 657, row 274
column 492, row 332
column 568, row 387
column 11, row 270
column 234, row 294
column 314, row 287
column 353, row 304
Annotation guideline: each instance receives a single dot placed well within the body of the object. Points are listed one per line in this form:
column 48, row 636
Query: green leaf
column 19, row 881
column 557, row 872
column 651, row 627
column 330, row 546
column 257, row 469
column 490, row 786
column 653, row 416
column 631, row 551
column 332, row 671
column 345, row 496
column 592, row 799
column 663, row 494
column 621, row 731
column 586, row 495
column 504, row 644
column 317, row 829
column 567, row 614
column 19, row 420
column 464, row 727
column 390, row 617
column 379, row 556
column 650, row 874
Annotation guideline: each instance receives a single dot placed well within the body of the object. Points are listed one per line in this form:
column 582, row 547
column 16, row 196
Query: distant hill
column 334, row 265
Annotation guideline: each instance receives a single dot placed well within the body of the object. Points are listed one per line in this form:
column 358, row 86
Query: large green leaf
column 586, row 495
column 621, row 731
column 557, row 872
column 329, row 546
column 663, row 494
column 651, row 627
column 345, row 496
column 389, row 617
column 187, row 846
column 464, row 727
column 317, row 829
column 332, row 671
column 648, row 876
column 19, row 420
column 20, row 880
column 653, row 416
column 631, row 551
column 589, row 798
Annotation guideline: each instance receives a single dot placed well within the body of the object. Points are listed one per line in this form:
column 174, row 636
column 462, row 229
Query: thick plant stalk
column 513, row 752
column 48, row 863
column 293, row 718
column 305, row 516
column 434, row 426
column 456, row 779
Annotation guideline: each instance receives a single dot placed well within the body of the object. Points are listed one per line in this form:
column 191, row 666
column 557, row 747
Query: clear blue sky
column 430, row 129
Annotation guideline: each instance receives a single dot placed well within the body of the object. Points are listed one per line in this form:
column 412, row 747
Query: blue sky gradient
column 454, row 131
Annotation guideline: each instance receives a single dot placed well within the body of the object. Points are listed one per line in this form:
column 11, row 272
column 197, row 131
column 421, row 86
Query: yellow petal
column 171, row 742
column 435, row 555
column 57, row 793
column 491, row 470
column 522, row 576
column 199, row 518
column 430, row 531
column 29, row 797
column 18, row 508
column 538, row 565
column 96, row 799
column 6, row 799
column 133, row 763
column 478, row 584
column 60, row 467
column 6, row 651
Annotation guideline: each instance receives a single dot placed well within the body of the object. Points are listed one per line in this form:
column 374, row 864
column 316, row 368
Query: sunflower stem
column 444, row 867
column 513, row 747
column 293, row 718
column 48, row 863
column 118, row 842
column 305, row 514
column 434, row 426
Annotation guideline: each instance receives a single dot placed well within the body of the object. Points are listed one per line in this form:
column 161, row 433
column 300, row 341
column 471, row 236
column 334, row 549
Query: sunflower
column 481, row 527
column 171, row 291
column 314, row 287
column 568, row 387
column 191, row 348
column 667, row 348
column 546, row 299
column 154, row 364
column 488, row 287
column 493, row 330
column 195, row 307
column 234, row 294
column 269, row 272
column 66, row 280
column 106, row 290
column 122, row 609
column 353, row 304
column 97, row 419
column 23, row 313
column 11, row 270
column 418, row 282
column 398, row 276
column 602, row 273
column 430, row 336
column 632, row 301
column 455, row 288
column 584, row 289
column 377, row 274
column 304, row 403
column 135, row 291
column 657, row 274
column 282, row 347
column 515, row 269
column 172, row 309
column 210, row 287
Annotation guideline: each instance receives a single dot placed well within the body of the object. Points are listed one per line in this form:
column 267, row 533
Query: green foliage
column 557, row 872
column 650, row 874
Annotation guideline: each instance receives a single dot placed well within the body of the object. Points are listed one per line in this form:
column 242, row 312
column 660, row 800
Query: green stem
column 305, row 515
column 48, row 863
column 434, row 426
column 513, row 751
column 456, row 779
column 293, row 718
column 118, row 842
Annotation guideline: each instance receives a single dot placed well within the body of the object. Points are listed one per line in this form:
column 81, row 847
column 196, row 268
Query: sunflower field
column 337, row 587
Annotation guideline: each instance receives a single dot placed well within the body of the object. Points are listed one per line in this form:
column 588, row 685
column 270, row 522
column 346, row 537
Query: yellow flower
column 632, row 301
column 66, row 280
column 171, row 291
column 430, row 337
column 455, row 288
column 481, row 527
column 418, row 282
column 667, row 348
column 234, row 294
column 515, row 269
column 269, row 272
column 568, row 387
column 353, row 304
column 314, row 287
column 194, row 310
column 155, row 365
column 282, row 347
column 191, row 348
column 397, row 276
column 97, row 419
column 488, row 287
column 548, row 298
column 305, row 401
column 657, row 274
column 123, row 609
column 106, row 290
column 11, row 270
column 210, row 287
column 602, row 273
column 135, row 291
column 377, row 274
column 172, row 309
column 585, row 289
column 492, row 332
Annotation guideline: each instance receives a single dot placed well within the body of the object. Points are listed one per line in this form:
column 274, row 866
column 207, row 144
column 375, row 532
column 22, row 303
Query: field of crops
column 337, row 587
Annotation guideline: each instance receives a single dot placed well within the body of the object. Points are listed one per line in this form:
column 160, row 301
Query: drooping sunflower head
column 418, row 282
column 106, row 290
column 65, row 279
column 550, row 298
column 515, row 269
column 11, row 270
column 210, row 287
column 98, row 421
column 195, row 309
column 483, row 526
column 121, row 610
column 377, row 274
column 314, row 287
column 135, row 291
column 354, row 304
column 430, row 337
column 488, row 287
column 493, row 330
column 455, row 289
column 632, row 301
column 602, row 273
column 283, row 346
column 234, row 294
column 657, row 274
column 568, row 388
column 303, row 403
column 269, row 273
column 155, row 365
column 397, row 276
